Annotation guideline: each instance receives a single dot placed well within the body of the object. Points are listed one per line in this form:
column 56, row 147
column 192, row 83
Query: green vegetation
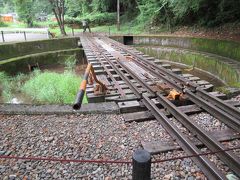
column 52, row 87
column 41, row 87
column 5, row 86
column 142, row 15
column 10, row 85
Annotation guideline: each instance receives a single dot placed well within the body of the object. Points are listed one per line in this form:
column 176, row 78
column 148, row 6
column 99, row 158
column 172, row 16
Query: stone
column 49, row 139
column 190, row 178
column 8, row 153
column 168, row 176
column 12, row 177
column 2, row 152
column 2, row 169
column 193, row 170
column 217, row 124
column 232, row 177
column 108, row 178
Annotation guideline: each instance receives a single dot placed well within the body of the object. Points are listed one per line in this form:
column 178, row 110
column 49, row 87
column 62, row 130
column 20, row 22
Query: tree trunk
column 58, row 10
column 29, row 23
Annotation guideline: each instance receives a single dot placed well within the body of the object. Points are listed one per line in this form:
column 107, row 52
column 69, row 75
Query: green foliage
column 6, row 6
column 10, row 85
column 2, row 24
column 70, row 63
column 29, row 10
column 101, row 18
column 25, row 11
column 53, row 87
column 5, row 86
column 142, row 13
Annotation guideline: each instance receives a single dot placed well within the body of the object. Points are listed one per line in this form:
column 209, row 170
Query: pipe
column 78, row 103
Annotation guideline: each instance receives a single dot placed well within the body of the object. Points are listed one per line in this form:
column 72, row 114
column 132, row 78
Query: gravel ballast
column 99, row 136
column 92, row 137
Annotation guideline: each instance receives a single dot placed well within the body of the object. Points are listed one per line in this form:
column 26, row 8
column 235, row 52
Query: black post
column 25, row 37
column 72, row 31
column 141, row 165
column 3, row 36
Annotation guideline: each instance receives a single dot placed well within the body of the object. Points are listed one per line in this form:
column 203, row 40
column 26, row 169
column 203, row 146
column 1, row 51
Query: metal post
column 72, row 31
column 48, row 34
column 118, row 15
column 25, row 37
column 141, row 165
column 3, row 36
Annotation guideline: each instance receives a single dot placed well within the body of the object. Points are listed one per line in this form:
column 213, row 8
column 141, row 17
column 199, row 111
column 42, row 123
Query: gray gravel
column 100, row 136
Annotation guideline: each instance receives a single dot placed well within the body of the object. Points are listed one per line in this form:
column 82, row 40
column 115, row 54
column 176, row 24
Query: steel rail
column 209, row 169
column 162, row 70
column 207, row 166
column 223, row 116
column 217, row 102
column 131, row 85
column 224, row 112
column 116, row 84
column 228, row 157
column 226, row 117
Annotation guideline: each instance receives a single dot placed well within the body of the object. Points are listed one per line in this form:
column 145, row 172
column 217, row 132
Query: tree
column 6, row 6
column 58, row 8
column 73, row 8
column 25, row 10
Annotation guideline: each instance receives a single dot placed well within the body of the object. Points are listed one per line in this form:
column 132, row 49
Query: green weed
column 70, row 63
column 6, row 87
column 53, row 88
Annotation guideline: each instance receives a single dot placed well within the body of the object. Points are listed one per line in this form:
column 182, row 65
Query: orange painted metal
column 83, row 85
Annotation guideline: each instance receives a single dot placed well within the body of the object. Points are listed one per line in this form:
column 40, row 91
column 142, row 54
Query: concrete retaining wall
column 20, row 64
column 12, row 50
column 224, row 48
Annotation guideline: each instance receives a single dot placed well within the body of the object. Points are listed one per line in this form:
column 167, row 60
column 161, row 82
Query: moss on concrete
column 224, row 48
column 202, row 61
column 20, row 64
column 12, row 50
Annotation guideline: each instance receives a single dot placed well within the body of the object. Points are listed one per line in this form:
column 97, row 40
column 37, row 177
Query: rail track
column 122, row 64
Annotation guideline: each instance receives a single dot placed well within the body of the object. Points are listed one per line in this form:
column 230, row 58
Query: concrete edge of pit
column 27, row 109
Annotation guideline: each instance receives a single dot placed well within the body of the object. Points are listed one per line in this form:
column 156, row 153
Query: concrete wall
column 12, row 50
column 20, row 64
column 224, row 48
column 212, row 64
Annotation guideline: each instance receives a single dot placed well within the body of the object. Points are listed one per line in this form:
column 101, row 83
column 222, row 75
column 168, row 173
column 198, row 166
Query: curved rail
column 208, row 168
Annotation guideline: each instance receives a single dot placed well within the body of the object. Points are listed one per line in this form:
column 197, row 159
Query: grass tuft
column 53, row 88
column 6, row 87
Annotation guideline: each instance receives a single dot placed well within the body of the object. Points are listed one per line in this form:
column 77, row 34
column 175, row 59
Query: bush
column 73, row 21
column 94, row 19
column 50, row 87
column 102, row 18
column 2, row 24
column 6, row 87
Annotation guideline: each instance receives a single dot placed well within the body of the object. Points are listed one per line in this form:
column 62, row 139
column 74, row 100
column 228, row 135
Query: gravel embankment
column 99, row 136
column 82, row 137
